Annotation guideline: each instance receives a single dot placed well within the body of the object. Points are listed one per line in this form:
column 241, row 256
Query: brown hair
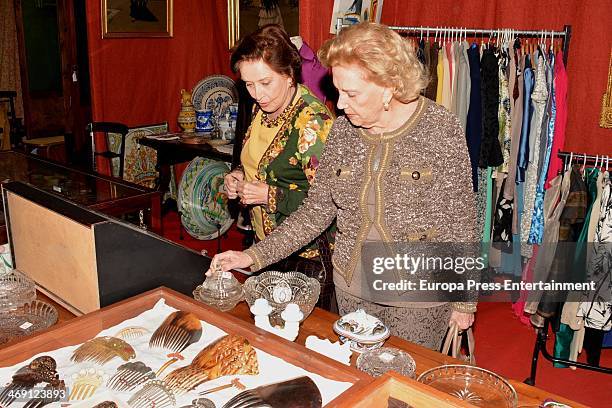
column 387, row 58
column 272, row 45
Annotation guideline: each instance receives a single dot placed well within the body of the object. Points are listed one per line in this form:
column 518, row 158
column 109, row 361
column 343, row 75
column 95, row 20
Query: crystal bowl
column 16, row 290
column 27, row 319
column 282, row 288
column 475, row 385
column 379, row 361
column 221, row 291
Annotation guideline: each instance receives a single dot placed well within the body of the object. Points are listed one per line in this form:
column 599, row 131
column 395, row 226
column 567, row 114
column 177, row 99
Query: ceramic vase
column 187, row 119
column 187, row 115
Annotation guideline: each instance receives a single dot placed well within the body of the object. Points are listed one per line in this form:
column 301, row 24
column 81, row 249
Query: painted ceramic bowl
column 363, row 331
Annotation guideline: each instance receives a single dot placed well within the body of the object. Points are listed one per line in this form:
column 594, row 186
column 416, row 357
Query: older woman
column 281, row 148
column 395, row 168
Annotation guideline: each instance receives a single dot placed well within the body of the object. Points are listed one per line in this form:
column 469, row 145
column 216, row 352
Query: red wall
column 590, row 45
column 138, row 81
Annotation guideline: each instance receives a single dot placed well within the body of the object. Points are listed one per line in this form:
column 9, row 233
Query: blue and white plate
column 216, row 92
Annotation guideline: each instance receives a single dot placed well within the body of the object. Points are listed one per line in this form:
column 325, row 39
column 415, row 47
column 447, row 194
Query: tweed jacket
column 423, row 190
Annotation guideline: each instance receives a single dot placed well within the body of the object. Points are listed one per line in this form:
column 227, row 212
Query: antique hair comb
column 177, row 332
column 85, row 384
column 131, row 333
column 129, row 376
column 234, row 383
column 153, row 394
column 174, row 357
column 52, row 392
column 299, row 392
column 106, row 404
column 102, row 350
column 201, row 403
column 41, row 369
column 228, row 355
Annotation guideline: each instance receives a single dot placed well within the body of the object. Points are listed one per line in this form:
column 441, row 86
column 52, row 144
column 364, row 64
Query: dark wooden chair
column 106, row 128
column 17, row 131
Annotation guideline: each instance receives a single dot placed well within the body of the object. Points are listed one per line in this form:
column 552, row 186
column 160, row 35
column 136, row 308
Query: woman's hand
column 231, row 183
column 254, row 192
column 228, row 260
column 464, row 320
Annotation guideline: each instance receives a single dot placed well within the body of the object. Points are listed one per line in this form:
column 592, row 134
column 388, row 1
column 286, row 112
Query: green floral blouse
column 290, row 162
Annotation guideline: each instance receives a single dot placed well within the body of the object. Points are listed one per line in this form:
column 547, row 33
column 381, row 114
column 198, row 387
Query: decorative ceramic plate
column 202, row 200
column 216, row 93
column 475, row 385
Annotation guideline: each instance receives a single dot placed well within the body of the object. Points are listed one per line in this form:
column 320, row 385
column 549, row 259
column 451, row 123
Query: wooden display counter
column 319, row 323
column 83, row 328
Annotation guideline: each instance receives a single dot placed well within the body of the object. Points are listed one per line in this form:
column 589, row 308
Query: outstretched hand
column 229, row 260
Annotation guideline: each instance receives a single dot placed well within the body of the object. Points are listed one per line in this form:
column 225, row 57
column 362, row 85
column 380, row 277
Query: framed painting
column 349, row 12
column 136, row 18
column 246, row 16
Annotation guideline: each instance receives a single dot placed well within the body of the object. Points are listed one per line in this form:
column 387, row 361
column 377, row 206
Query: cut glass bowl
column 221, row 291
column 379, row 361
column 282, row 288
column 16, row 290
column 475, row 385
column 27, row 319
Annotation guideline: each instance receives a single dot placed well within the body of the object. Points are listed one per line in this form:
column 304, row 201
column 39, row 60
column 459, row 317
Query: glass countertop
column 83, row 188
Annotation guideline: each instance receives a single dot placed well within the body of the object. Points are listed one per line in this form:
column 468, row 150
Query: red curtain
column 138, row 81
column 590, row 44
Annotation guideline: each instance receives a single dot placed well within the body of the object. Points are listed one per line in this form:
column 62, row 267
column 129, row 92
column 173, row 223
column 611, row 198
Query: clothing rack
column 565, row 35
column 588, row 158
column 542, row 337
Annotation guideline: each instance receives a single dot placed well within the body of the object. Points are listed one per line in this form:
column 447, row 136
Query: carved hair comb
column 153, row 394
column 229, row 355
column 102, row 350
column 131, row 333
column 177, row 332
column 129, row 376
column 51, row 394
column 86, row 382
column 106, row 404
column 41, row 369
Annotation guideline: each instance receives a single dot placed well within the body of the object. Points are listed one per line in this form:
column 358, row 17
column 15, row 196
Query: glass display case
column 107, row 194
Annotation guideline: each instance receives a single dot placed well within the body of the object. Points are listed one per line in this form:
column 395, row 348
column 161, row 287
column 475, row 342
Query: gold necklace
column 270, row 123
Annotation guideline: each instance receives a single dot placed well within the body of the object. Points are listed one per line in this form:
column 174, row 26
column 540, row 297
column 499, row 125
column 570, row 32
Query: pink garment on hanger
column 519, row 306
column 560, row 78
column 450, row 56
